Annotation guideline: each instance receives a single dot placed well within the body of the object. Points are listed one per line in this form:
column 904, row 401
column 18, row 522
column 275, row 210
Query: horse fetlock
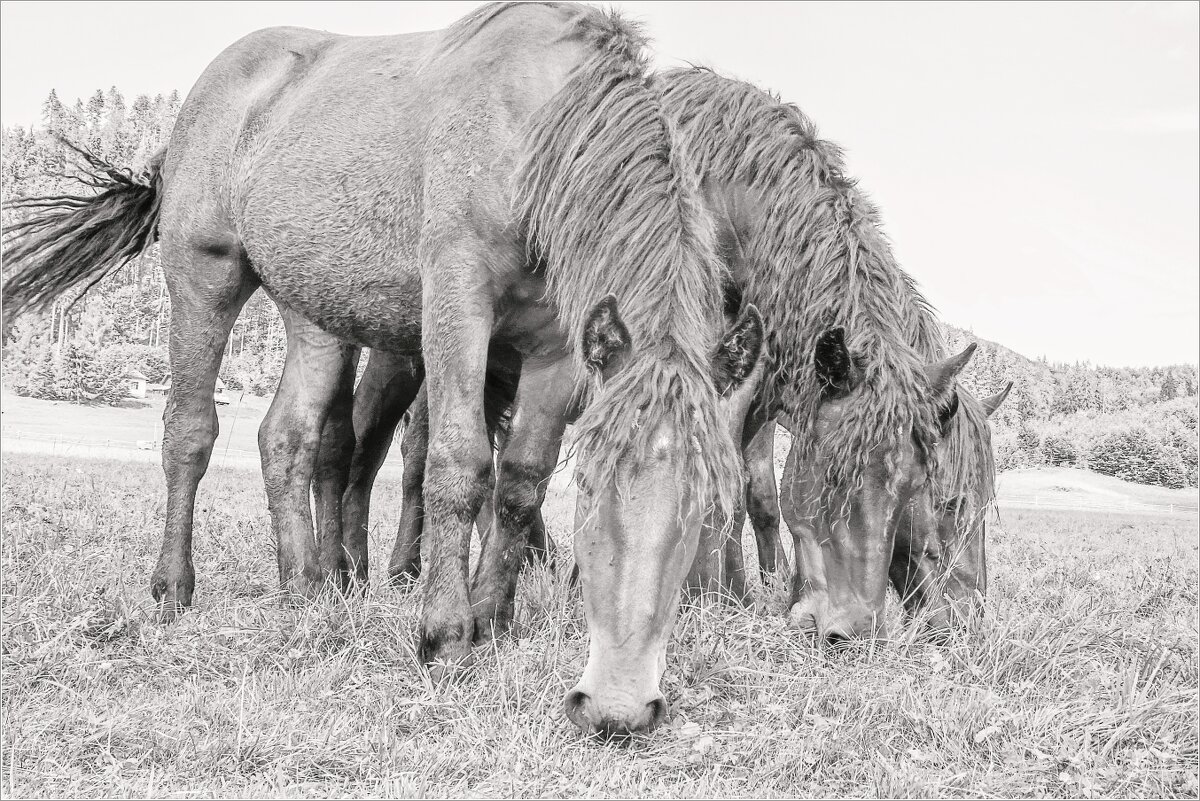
column 493, row 617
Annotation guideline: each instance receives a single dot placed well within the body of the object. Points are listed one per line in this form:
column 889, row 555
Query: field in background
column 28, row 425
column 1081, row 682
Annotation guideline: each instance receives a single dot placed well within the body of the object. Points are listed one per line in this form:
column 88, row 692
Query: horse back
column 337, row 161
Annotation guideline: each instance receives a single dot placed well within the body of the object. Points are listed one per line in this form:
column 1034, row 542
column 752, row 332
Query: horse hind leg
column 388, row 386
column 331, row 477
column 289, row 439
column 208, row 286
column 405, row 564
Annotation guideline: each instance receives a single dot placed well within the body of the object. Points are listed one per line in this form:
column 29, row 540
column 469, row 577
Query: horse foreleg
column 456, row 327
column 387, row 388
column 289, row 438
column 810, row 590
column 405, row 563
column 539, row 548
column 527, row 461
column 207, row 292
column 762, row 500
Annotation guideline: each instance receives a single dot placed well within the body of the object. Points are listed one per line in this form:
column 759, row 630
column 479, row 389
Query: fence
column 1132, row 507
column 141, row 450
column 135, row 450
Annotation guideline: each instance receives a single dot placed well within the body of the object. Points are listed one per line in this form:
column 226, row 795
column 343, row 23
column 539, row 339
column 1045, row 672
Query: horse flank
column 819, row 260
column 611, row 207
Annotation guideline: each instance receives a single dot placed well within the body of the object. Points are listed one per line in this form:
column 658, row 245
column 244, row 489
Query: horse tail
column 68, row 240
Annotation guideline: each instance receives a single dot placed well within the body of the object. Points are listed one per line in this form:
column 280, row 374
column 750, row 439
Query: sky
column 1037, row 165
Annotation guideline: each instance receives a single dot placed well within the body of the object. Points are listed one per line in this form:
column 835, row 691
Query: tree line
column 80, row 348
column 1135, row 423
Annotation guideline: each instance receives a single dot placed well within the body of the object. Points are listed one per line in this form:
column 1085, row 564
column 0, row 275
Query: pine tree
column 1169, row 387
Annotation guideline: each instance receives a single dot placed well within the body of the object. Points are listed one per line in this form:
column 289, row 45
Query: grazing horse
column 429, row 194
column 935, row 576
column 855, row 364
column 805, row 247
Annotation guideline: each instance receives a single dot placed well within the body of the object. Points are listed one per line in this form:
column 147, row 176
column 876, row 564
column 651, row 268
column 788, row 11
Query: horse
column 867, row 413
column 511, row 178
column 935, row 576
column 855, row 364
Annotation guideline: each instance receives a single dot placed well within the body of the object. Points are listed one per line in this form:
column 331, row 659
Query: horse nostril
column 574, row 705
column 658, row 712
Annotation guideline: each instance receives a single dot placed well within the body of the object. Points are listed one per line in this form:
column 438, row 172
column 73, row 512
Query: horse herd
column 530, row 228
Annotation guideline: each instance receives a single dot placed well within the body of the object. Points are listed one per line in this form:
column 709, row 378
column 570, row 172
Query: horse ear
column 990, row 405
column 605, row 338
column 941, row 374
column 835, row 368
column 739, row 352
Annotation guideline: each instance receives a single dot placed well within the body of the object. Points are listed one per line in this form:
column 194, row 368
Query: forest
column 1139, row 424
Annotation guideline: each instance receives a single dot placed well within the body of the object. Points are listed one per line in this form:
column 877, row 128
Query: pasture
column 1080, row 682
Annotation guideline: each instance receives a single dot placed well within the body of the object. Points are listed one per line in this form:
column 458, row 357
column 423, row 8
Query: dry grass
column 1081, row 682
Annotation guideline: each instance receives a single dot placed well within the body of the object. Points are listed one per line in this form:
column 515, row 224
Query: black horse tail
column 68, row 240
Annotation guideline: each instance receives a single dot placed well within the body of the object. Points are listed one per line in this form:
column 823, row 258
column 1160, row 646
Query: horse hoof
column 445, row 647
column 172, row 597
column 303, row 587
column 404, row 577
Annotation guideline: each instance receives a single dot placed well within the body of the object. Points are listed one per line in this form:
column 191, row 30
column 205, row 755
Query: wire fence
column 130, row 450
column 72, row 446
column 1035, row 501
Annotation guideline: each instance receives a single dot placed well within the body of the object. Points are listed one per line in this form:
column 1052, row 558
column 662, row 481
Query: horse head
column 846, row 533
column 634, row 545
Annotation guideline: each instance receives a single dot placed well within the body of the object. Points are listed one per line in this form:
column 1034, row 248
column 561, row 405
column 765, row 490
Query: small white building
column 135, row 384
column 220, row 397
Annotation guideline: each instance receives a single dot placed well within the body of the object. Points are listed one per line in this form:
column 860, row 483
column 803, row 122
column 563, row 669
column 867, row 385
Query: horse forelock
column 817, row 258
column 611, row 206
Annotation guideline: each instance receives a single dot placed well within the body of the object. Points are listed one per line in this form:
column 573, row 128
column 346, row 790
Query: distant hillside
column 1135, row 423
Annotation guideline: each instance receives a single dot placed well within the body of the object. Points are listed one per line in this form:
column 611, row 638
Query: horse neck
column 817, row 260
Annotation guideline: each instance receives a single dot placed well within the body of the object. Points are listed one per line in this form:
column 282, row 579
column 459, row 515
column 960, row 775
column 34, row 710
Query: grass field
column 1081, row 681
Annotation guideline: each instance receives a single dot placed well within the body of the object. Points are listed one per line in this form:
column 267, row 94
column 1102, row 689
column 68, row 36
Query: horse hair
column 821, row 260
column 612, row 207
column 68, row 240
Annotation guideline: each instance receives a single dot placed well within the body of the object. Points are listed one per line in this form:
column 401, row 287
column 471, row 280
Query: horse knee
column 456, row 478
column 517, row 500
column 188, row 442
column 764, row 516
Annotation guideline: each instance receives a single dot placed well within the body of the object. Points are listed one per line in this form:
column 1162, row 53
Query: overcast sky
column 1038, row 165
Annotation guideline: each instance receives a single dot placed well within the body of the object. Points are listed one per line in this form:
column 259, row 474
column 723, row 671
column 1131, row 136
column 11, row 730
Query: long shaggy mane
column 817, row 258
column 611, row 206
